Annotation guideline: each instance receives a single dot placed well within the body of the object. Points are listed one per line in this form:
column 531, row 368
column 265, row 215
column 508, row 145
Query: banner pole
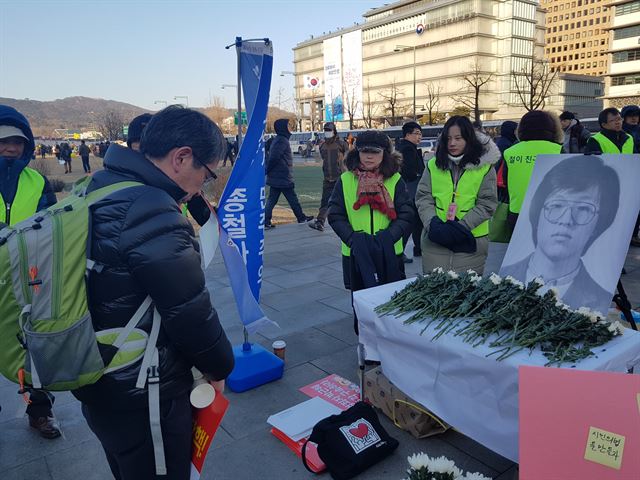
column 239, row 90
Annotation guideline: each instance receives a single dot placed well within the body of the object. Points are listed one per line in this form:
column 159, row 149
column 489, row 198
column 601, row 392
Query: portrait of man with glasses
column 573, row 205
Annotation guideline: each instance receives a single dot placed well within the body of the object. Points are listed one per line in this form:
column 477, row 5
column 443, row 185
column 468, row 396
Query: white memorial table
column 475, row 394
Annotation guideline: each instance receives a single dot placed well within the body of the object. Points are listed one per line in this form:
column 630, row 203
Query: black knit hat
column 538, row 125
column 374, row 138
column 136, row 127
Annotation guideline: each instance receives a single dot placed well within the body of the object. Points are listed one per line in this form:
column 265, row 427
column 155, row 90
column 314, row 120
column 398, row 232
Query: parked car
column 428, row 147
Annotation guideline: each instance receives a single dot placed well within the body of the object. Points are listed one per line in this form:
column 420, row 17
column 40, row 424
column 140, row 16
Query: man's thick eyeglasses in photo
column 581, row 212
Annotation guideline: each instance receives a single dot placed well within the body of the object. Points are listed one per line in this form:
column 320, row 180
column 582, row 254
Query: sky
column 145, row 51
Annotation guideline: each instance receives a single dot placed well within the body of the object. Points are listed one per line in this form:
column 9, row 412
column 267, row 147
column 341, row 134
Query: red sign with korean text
column 334, row 389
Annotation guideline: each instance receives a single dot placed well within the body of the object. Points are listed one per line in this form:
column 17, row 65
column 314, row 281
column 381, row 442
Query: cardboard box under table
column 405, row 412
column 475, row 394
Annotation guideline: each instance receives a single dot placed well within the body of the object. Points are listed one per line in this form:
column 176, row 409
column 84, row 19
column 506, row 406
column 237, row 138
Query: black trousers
column 126, row 439
column 292, row 198
column 41, row 403
column 85, row 164
column 327, row 190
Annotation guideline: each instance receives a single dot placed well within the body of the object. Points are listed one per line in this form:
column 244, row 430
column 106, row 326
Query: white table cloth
column 474, row 393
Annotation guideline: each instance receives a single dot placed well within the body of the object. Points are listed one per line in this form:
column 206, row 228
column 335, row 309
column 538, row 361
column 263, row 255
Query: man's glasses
column 417, row 132
column 582, row 213
column 370, row 149
column 212, row 175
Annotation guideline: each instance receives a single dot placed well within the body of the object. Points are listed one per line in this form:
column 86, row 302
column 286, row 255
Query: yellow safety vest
column 25, row 203
column 466, row 193
column 520, row 160
column 607, row 146
column 363, row 219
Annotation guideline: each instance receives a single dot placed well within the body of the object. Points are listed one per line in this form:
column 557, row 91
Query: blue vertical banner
column 242, row 205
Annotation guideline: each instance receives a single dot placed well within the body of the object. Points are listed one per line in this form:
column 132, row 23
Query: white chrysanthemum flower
column 419, row 460
column 472, row 272
column 475, row 278
column 438, row 270
column 616, row 328
column 539, row 281
column 444, row 465
column 453, row 274
column 474, row 476
column 587, row 312
column 563, row 306
column 556, row 292
column 495, row 279
column 515, row 282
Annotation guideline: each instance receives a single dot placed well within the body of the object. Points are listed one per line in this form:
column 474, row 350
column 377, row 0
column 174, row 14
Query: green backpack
column 46, row 335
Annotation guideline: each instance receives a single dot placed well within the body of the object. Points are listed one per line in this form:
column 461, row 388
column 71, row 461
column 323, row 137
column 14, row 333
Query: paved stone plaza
column 303, row 292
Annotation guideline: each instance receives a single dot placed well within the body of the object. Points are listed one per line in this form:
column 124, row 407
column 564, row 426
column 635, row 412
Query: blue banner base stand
column 255, row 366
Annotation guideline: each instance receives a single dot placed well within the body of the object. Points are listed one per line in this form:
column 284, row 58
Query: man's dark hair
column 578, row 174
column 603, row 116
column 472, row 151
column 177, row 126
column 409, row 127
column 82, row 142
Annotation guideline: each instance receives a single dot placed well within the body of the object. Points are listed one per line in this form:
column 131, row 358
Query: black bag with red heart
column 350, row 442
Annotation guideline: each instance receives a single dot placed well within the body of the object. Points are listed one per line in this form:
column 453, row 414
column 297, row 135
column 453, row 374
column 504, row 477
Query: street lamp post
column 186, row 98
column 233, row 85
column 402, row 48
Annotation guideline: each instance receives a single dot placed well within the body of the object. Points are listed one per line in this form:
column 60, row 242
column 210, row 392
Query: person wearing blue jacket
column 23, row 192
column 279, row 170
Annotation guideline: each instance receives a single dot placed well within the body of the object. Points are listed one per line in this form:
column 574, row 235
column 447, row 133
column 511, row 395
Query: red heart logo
column 360, row 431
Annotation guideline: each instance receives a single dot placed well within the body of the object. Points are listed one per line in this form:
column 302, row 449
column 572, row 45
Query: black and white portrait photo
column 575, row 225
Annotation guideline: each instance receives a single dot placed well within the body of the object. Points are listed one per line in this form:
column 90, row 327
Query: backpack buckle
column 153, row 374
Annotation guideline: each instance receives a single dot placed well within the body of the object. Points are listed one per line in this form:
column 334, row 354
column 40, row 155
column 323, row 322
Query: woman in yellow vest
column 370, row 210
column 456, row 197
column 539, row 133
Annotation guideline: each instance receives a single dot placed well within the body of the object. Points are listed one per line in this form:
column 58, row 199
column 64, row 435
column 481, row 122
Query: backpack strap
column 150, row 374
column 153, row 383
column 126, row 331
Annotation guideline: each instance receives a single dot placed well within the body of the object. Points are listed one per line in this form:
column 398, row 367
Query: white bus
column 300, row 140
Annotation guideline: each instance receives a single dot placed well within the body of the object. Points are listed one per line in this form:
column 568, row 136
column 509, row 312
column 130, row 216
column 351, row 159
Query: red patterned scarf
column 371, row 191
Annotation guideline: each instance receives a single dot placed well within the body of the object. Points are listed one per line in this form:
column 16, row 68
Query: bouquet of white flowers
column 506, row 313
column 423, row 467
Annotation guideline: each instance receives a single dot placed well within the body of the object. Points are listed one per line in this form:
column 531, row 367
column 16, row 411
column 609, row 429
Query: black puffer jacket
column 148, row 248
column 279, row 167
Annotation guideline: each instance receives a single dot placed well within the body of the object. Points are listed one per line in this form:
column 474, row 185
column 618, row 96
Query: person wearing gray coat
column 456, row 197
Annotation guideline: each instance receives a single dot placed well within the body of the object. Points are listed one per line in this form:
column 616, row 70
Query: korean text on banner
column 241, row 208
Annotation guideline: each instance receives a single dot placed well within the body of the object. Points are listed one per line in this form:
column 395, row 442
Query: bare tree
column 392, row 101
column 369, row 109
column 216, row 110
column 433, row 101
column 351, row 105
column 473, row 82
column 534, row 82
column 110, row 125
